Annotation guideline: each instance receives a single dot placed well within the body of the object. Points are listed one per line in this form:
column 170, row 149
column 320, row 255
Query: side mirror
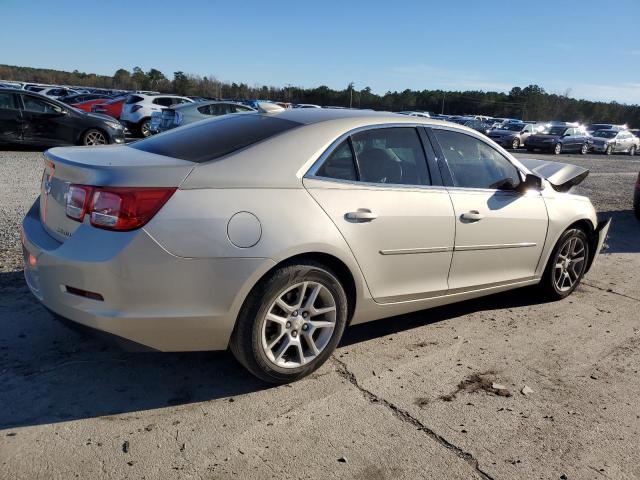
column 531, row 182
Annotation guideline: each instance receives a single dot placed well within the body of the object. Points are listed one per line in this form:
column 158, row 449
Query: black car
column 560, row 139
column 32, row 119
column 82, row 97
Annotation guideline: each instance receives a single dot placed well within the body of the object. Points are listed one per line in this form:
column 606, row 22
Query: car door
column 622, row 142
column 11, row 124
column 500, row 231
column 46, row 123
column 390, row 208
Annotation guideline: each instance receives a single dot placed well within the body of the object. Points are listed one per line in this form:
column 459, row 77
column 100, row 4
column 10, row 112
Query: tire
column 557, row 149
column 632, row 151
column 584, row 149
column 280, row 351
column 608, row 150
column 94, row 136
column 144, row 127
column 516, row 143
column 561, row 277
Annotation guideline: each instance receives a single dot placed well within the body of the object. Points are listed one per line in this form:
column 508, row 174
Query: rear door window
column 391, row 156
column 205, row 141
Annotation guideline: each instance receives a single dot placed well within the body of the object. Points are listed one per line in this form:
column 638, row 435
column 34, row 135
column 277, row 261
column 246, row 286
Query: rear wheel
column 145, row 127
column 585, row 149
column 608, row 150
column 632, row 150
column 557, row 149
column 515, row 144
column 94, row 137
column 290, row 323
column 567, row 264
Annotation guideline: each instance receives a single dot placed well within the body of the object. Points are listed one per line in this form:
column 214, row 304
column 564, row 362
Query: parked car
column 83, row 97
column 635, row 132
column 615, row 141
column 513, row 135
column 137, row 110
column 414, row 113
column 57, row 92
column 636, row 198
column 604, row 126
column 33, row 119
column 558, row 139
column 88, row 105
column 498, row 122
column 185, row 114
column 305, row 105
column 207, row 204
column 471, row 122
column 113, row 108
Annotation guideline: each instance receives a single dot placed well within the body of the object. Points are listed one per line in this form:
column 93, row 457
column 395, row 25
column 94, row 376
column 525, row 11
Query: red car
column 88, row 105
column 113, row 108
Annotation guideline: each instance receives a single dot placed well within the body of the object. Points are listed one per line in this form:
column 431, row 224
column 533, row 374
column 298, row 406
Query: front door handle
column 361, row 215
column 472, row 216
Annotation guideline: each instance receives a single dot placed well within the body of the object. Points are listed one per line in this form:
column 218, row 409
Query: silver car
column 270, row 233
column 615, row 141
column 185, row 114
column 513, row 135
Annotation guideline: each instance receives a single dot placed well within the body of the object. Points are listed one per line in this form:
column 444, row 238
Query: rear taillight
column 116, row 208
column 78, row 197
column 135, row 108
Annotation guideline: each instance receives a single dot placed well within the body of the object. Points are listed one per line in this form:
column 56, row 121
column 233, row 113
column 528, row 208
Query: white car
column 138, row 108
column 57, row 92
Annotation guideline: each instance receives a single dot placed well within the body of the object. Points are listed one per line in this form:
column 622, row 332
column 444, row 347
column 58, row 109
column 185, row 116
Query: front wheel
column 608, row 150
column 94, row 137
column 557, row 149
column 567, row 265
column 585, row 149
column 632, row 151
column 290, row 323
column 515, row 144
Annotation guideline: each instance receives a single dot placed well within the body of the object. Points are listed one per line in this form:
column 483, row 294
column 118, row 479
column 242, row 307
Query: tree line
column 528, row 103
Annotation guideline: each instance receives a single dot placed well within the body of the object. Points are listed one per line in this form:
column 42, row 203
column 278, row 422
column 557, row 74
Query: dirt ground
column 435, row 394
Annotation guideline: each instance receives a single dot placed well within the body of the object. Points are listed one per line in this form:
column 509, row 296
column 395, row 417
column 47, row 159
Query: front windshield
column 605, row 133
column 555, row 131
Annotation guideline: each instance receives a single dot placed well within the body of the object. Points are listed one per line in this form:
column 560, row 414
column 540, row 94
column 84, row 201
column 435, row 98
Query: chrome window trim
column 311, row 172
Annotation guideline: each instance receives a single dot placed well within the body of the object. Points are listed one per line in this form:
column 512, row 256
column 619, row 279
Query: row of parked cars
column 55, row 115
column 553, row 137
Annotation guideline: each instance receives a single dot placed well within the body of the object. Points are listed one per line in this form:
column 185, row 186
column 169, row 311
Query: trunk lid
column 115, row 166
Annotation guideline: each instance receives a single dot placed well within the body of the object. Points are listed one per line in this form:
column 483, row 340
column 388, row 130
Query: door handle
column 361, row 215
column 472, row 216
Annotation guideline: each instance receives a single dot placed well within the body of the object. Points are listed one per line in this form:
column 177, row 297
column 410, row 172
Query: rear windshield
column 133, row 99
column 214, row 138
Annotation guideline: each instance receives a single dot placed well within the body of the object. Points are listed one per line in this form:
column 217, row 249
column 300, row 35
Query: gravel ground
column 407, row 397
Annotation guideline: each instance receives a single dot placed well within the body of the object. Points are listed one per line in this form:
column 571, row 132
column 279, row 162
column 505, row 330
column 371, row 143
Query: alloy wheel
column 585, row 149
column 632, row 151
column 570, row 263
column 515, row 144
column 145, row 129
column 557, row 149
column 299, row 324
column 95, row 137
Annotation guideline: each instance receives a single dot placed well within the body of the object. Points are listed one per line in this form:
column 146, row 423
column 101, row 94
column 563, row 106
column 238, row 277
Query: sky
column 588, row 49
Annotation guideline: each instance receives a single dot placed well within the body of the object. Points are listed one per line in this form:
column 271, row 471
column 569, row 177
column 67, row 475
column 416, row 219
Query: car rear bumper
column 125, row 284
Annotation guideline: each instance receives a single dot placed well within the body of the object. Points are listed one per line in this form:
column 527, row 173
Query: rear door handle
column 361, row 215
column 472, row 216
